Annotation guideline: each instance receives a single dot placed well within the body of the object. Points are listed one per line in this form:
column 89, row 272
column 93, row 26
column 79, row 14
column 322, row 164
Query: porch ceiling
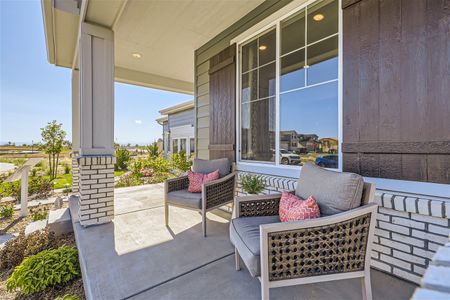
column 164, row 33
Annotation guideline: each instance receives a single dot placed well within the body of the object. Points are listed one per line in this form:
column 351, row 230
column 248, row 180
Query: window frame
column 276, row 168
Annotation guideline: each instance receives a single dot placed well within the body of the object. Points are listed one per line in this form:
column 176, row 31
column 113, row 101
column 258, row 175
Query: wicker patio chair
column 335, row 246
column 214, row 194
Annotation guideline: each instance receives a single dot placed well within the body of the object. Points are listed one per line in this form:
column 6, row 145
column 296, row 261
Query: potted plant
column 252, row 184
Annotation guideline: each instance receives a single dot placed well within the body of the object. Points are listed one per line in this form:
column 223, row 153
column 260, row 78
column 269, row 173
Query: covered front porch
column 137, row 257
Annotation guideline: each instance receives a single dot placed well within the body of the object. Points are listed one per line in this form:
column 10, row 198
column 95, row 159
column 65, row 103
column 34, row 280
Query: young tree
column 53, row 142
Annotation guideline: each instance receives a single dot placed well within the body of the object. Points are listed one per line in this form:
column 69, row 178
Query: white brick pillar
column 96, row 200
column 96, row 125
column 75, row 174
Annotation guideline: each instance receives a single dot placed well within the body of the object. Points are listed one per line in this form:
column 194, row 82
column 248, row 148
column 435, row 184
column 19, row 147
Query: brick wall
column 96, row 194
column 409, row 229
column 75, row 174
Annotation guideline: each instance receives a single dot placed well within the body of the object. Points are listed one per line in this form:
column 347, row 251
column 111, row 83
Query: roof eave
column 47, row 16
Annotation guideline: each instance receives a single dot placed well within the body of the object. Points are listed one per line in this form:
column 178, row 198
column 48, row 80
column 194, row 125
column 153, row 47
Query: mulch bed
column 16, row 223
column 75, row 287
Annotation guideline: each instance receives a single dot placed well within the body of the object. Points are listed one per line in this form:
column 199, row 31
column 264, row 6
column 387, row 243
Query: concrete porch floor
column 137, row 257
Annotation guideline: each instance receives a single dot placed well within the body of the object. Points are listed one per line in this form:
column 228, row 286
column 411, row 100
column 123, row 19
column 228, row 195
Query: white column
column 96, row 90
column 75, row 111
column 75, row 131
column 96, row 120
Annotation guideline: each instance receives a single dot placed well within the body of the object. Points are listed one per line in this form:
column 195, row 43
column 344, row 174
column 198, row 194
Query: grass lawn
column 63, row 179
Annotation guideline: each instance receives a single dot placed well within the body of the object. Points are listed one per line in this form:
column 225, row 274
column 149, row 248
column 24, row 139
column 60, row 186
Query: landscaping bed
column 15, row 224
column 33, row 244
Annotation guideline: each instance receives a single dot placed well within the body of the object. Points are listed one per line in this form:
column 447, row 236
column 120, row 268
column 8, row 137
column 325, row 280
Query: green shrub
column 153, row 150
column 15, row 250
column 180, row 161
column 252, row 184
column 45, row 269
column 123, row 157
column 38, row 213
column 10, row 189
column 135, row 167
column 158, row 165
column 33, row 172
column 6, row 211
column 40, row 187
column 128, row 179
column 66, row 169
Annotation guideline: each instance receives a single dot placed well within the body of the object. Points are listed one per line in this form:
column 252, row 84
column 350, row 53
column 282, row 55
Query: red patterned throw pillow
column 294, row 208
column 197, row 179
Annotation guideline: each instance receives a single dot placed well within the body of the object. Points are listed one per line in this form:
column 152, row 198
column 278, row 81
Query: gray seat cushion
column 208, row 166
column 244, row 235
column 335, row 192
column 185, row 198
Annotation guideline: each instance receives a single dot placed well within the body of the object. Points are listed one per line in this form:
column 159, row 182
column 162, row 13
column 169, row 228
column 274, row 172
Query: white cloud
column 138, row 121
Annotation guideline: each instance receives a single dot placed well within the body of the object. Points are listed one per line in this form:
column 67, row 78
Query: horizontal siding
column 181, row 118
column 202, row 56
column 203, row 122
column 203, row 133
column 203, row 111
column 203, row 100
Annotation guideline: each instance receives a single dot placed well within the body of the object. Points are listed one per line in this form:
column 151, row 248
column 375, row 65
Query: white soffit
column 166, row 33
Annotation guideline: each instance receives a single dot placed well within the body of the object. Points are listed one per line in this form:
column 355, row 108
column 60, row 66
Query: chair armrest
column 258, row 205
column 218, row 192
column 176, row 184
column 329, row 245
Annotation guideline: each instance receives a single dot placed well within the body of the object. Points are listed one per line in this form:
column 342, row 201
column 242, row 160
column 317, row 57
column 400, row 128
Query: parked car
column 289, row 158
column 327, row 161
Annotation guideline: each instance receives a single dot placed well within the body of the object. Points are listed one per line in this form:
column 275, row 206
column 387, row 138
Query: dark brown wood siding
column 222, row 106
column 396, row 95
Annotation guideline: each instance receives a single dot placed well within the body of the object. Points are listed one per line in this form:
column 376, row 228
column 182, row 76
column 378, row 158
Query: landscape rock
column 58, row 202
column 4, row 238
column 59, row 221
column 35, row 226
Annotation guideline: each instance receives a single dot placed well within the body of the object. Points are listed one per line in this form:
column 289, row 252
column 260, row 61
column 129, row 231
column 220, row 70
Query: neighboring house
column 178, row 128
column 370, row 74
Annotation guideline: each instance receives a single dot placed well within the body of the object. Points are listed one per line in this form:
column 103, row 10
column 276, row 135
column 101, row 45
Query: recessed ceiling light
column 262, row 47
column 136, row 55
column 318, row 17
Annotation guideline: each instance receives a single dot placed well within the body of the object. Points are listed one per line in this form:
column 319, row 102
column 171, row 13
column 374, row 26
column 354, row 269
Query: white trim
column 177, row 108
column 405, row 186
column 270, row 23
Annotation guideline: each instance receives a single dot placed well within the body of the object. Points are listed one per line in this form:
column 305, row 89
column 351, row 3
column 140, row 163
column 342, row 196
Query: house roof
column 163, row 119
column 177, row 108
column 165, row 34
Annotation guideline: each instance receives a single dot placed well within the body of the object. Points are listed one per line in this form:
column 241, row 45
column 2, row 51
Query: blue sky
column 34, row 92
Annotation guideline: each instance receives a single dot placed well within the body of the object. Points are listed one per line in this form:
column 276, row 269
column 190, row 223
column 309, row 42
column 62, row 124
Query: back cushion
column 335, row 192
column 208, row 166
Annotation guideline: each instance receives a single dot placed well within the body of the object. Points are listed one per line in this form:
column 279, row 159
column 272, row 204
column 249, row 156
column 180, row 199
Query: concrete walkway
column 137, row 257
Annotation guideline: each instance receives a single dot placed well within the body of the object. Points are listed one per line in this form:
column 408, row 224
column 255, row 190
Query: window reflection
column 258, row 130
column 309, row 124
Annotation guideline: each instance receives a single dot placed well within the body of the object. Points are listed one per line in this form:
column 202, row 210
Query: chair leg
column 166, row 214
column 204, row 223
column 265, row 294
column 366, row 287
column 237, row 259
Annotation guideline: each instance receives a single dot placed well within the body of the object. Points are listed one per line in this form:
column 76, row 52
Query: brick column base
column 96, row 200
column 75, row 174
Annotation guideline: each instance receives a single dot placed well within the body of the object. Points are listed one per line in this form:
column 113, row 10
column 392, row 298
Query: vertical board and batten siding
column 222, row 104
column 202, row 57
column 396, row 84
column 181, row 118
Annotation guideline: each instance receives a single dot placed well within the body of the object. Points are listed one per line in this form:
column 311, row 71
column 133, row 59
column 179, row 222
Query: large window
column 302, row 95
